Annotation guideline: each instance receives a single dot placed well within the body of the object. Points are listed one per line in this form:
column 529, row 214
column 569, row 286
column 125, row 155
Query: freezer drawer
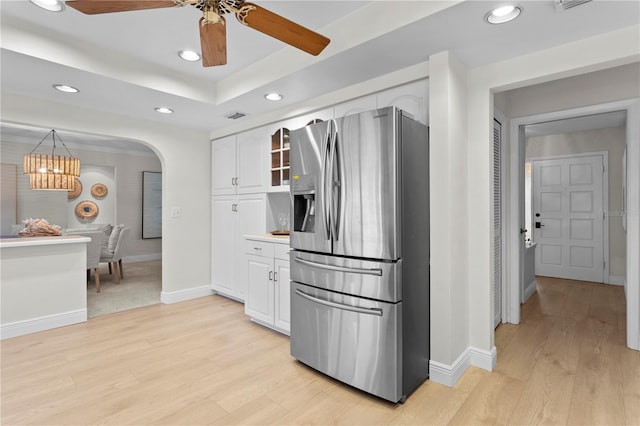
column 355, row 340
column 366, row 278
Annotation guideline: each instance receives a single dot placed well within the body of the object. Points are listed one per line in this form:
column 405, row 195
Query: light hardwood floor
column 204, row 362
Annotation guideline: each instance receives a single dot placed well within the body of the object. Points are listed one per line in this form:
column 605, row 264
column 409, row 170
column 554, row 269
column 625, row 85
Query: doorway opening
column 516, row 248
column 116, row 166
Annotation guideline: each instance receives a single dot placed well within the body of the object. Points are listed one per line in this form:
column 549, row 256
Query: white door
column 252, row 158
column 260, row 279
column 223, row 241
column 282, row 282
column 251, row 211
column 568, row 217
column 497, row 223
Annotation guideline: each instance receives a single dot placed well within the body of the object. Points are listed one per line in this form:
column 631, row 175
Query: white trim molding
column 449, row 375
column 33, row 325
column 168, row 297
column 529, row 289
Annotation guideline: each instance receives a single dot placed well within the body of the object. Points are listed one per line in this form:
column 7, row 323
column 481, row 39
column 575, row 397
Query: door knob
column 522, row 231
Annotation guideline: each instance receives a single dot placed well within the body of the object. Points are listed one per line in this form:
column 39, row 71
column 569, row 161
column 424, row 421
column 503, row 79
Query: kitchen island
column 43, row 283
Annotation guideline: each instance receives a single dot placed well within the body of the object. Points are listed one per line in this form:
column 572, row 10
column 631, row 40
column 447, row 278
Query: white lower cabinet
column 267, row 300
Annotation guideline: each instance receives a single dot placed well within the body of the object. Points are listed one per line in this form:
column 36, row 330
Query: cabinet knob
column 270, row 275
column 258, row 248
column 275, row 276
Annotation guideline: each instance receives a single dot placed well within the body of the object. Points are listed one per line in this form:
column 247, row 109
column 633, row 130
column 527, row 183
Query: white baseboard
column 616, row 279
column 449, row 375
column 484, row 359
column 34, row 325
column 529, row 290
column 142, row 258
column 187, row 294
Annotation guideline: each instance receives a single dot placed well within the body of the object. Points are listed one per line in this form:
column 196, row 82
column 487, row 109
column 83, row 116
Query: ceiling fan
column 213, row 33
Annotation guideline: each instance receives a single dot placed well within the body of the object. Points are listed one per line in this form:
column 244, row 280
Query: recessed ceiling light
column 50, row 5
column 164, row 110
column 65, row 88
column 189, row 55
column 273, row 96
column 503, row 14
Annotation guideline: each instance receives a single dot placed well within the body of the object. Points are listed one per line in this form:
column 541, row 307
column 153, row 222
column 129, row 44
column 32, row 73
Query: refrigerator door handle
column 336, row 183
column 377, row 272
column 324, row 172
column 368, row 311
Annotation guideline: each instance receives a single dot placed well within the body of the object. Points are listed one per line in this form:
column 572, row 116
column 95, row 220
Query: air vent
column 568, row 4
column 235, row 115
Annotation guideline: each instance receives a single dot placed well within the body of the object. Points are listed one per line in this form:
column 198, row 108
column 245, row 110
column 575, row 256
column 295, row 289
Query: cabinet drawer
column 281, row 251
column 259, row 248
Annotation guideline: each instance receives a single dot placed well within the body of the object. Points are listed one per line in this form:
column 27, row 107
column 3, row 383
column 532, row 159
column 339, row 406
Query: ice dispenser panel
column 304, row 203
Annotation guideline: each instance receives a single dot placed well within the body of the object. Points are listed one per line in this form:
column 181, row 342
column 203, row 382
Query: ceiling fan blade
column 283, row 29
column 93, row 7
column 213, row 42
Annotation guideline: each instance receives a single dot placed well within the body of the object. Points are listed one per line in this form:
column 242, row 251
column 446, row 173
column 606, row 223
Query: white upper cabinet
column 412, row 98
column 355, row 106
column 223, row 166
column 312, row 117
column 238, row 163
column 251, row 153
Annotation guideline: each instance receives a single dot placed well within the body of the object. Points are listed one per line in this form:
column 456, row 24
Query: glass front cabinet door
column 280, row 159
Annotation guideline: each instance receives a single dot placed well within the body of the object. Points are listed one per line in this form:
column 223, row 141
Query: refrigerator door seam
column 368, row 311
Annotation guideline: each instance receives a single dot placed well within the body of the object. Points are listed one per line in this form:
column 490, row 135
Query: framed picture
column 151, row 205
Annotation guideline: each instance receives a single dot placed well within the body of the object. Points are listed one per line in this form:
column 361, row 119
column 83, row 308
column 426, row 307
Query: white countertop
column 42, row 241
column 279, row 239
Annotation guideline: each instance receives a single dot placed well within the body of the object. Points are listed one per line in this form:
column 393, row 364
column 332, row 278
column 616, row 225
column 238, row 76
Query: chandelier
column 51, row 171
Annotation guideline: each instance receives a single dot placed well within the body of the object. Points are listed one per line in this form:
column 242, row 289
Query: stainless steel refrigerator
column 360, row 258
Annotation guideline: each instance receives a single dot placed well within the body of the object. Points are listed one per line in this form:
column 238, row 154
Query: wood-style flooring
column 203, row 362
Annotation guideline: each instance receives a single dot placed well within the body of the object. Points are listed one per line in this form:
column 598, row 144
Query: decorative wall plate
column 99, row 190
column 87, row 209
column 76, row 191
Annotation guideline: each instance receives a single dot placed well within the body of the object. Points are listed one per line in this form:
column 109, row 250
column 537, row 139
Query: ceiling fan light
column 189, row 55
column 273, row 96
column 164, row 110
column 50, row 5
column 65, row 88
column 503, row 14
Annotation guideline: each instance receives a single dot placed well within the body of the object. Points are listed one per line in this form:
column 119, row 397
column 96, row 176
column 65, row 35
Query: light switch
column 176, row 212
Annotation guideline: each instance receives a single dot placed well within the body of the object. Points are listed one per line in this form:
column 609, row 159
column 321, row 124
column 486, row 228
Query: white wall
column 90, row 175
column 185, row 158
column 612, row 140
column 123, row 204
column 598, row 87
column 448, row 145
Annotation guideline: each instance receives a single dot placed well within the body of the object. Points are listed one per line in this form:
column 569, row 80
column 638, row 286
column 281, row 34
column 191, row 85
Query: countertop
column 279, row 239
column 41, row 241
